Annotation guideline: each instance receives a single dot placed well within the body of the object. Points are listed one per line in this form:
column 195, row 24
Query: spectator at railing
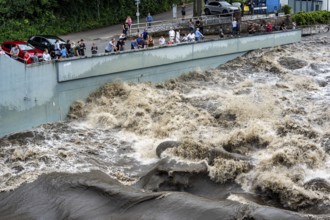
column 14, row 52
column 234, row 27
column 75, row 49
column 198, row 35
column 64, row 52
column 191, row 37
column 35, row 57
column 123, row 36
column 57, row 49
column 171, row 35
column 177, row 36
column 1, row 51
column 162, row 41
column 294, row 25
column 120, row 46
column 252, row 27
column 27, row 58
column 94, row 49
column 134, row 44
column 110, row 46
column 46, row 56
column 269, row 27
column 69, row 48
column 140, row 41
column 185, row 38
column 145, row 34
column 82, row 47
column 150, row 41
column 283, row 27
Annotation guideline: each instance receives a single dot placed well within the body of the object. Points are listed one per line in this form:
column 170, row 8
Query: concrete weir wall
column 31, row 95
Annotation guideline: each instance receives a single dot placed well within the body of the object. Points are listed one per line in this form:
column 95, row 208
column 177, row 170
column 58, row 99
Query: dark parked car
column 23, row 47
column 46, row 41
column 219, row 7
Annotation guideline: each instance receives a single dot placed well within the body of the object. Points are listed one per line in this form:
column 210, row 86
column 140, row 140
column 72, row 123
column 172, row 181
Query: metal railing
column 314, row 29
column 178, row 23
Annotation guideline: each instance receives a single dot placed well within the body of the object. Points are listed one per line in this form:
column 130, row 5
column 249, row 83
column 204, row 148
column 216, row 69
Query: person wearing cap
column 171, row 35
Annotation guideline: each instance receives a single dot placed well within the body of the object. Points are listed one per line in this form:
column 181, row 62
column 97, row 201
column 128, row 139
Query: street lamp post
column 137, row 2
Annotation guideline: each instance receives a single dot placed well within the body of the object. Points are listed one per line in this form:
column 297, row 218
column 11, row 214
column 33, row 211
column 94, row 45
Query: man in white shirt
column 46, row 55
column 162, row 41
column 171, row 35
column 234, row 26
column 191, row 37
column 177, row 36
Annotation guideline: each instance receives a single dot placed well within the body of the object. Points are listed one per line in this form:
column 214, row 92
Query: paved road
column 101, row 36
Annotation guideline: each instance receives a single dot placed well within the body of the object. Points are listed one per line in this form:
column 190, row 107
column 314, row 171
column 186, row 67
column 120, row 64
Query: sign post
column 174, row 10
column 137, row 2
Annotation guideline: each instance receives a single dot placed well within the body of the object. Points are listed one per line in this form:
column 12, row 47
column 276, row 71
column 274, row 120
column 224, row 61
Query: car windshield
column 225, row 4
column 25, row 47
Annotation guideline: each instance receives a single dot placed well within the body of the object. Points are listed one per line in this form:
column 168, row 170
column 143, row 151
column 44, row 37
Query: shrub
column 313, row 17
column 286, row 9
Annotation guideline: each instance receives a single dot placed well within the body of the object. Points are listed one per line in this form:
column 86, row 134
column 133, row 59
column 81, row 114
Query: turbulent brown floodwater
column 247, row 140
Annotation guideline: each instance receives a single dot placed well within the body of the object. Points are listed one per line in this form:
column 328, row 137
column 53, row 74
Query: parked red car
column 23, row 46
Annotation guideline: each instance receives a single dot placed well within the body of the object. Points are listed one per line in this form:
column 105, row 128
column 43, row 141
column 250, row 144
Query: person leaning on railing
column 1, row 51
column 46, row 56
column 27, row 58
column 14, row 52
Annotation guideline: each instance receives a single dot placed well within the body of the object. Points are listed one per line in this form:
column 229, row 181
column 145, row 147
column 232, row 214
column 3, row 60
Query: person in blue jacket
column 149, row 20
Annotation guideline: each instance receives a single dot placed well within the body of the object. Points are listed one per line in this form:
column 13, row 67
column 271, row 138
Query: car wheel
column 207, row 11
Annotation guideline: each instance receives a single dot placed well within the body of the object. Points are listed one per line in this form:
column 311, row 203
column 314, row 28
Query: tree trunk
column 197, row 9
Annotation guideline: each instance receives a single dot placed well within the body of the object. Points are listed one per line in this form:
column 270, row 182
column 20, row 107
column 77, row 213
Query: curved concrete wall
column 31, row 95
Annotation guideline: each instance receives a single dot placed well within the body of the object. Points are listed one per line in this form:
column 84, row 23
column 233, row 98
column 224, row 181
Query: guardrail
column 314, row 29
column 178, row 23
column 15, row 58
column 19, row 58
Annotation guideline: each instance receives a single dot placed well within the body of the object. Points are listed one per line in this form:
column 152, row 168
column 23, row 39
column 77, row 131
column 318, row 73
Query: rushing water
column 247, row 140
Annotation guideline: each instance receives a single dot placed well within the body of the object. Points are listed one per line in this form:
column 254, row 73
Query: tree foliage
column 310, row 18
column 22, row 18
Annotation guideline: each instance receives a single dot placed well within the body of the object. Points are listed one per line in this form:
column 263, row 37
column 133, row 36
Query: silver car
column 219, row 7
